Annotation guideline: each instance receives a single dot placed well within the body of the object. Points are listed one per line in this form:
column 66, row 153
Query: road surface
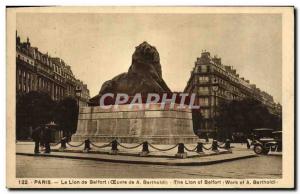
column 44, row 167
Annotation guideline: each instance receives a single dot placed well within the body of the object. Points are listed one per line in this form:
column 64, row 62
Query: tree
column 243, row 116
column 66, row 115
column 197, row 120
column 32, row 109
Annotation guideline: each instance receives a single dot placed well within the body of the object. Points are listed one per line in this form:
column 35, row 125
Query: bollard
column 180, row 153
column 145, row 150
column 114, row 147
column 214, row 146
column 227, row 144
column 180, row 148
column 200, row 147
column 87, row 146
column 63, row 144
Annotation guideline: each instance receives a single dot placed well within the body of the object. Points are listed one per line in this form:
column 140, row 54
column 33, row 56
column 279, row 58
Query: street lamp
column 215, row 88
column 78, row 95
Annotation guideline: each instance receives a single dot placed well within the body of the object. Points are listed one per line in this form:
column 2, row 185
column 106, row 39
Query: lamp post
column 215, row 88
column 78, row 95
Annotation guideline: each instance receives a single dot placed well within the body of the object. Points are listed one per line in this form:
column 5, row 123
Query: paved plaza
column 45, row 167
column 93, row 165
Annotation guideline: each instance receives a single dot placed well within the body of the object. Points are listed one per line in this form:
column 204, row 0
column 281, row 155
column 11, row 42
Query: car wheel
column 258, row 149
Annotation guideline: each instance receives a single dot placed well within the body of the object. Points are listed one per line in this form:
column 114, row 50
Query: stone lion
column 144, row 75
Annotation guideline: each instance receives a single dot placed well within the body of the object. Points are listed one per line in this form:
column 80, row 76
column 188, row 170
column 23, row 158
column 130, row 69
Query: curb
column 137, row 155
column 140, row 162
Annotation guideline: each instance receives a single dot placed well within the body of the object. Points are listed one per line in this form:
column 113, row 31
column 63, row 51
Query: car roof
column 277, row 132
column 263, row 129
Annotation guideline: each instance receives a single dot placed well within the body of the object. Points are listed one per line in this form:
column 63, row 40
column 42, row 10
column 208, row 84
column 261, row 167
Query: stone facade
column 37, row 71
column 213, row 82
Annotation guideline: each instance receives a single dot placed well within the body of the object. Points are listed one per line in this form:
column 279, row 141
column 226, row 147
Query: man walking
column 36, row 138
column 47, row 139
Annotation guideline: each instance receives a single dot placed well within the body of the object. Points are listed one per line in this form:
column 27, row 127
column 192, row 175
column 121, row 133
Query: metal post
column 180, row 153
column 200, row 147
column 180, row 148
column 145, row 150
column 214, row 146
column 145, row 147
column 227, row 144
column 87, row 145
column 114, row 147
column 63, row 144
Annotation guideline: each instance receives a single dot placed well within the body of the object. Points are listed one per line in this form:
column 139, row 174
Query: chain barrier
column 133, row 147
column 223, row 147
column 206, row 148
column 102, row 146
column 190, row 150
column 162, row 149
column 75, row 145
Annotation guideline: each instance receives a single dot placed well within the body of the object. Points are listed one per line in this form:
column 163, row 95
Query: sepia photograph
column 150, row 97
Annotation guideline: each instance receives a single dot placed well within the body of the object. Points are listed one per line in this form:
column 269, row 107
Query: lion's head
column 145, row 59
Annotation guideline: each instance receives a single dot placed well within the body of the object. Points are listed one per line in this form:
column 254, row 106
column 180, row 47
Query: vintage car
column 266, row 140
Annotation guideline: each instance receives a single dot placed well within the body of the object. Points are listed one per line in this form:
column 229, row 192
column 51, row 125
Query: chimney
column 18, row 41
column 28, row 43
column 217, row 60
column 205, row 54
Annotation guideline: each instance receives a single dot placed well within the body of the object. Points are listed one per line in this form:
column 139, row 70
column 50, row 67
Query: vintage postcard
column 150, row 97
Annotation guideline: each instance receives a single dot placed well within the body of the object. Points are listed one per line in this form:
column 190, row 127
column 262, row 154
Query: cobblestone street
column 34, row 167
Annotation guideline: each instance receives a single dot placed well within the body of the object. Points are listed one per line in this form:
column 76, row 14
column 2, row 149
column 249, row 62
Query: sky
column 99, row 46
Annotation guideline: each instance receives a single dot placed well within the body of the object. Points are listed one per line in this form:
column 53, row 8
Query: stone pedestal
column 136, row 124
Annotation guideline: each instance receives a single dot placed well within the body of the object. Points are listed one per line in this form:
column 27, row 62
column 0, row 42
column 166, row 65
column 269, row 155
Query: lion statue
column 144, row 75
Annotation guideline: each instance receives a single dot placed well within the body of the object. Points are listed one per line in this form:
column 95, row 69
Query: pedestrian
column 206, row 138
column 47, row 139
column 36, row 138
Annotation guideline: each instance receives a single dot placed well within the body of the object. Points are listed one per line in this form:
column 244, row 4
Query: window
column 213, row 101
column 205, row 113
column 40, row 82
column 203, row 79
column 204, row 69
column 203, row 90
column 203, row 101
